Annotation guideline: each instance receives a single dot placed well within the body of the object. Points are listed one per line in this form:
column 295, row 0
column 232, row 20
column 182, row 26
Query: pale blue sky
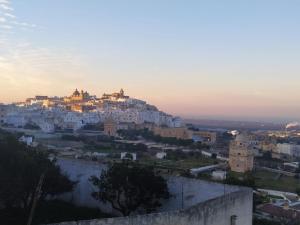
column 235, row 59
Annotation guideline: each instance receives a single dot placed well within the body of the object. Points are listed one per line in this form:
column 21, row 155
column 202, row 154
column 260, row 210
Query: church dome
column 76, row 93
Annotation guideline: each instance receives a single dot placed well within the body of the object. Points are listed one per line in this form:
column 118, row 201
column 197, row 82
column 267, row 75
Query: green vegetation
column 269, row 180
column 68, row 137
column 94, row 127
column 182, row 161
column 31, row 126
column 265, row 180
column 260, row 199
column 149, row 135
column 128, row 187
column 169, row 164
column 246, row 179
column 21, row 169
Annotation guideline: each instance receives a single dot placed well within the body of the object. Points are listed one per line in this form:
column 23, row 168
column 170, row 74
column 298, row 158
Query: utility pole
column 224, row 181
column 36, row 198
column 182, row 195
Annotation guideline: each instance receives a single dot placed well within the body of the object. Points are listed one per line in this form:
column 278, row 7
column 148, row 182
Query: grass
column 267, row 180
column 180, row 164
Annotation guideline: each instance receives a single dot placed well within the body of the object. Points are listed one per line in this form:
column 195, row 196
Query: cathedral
column 78, row 96
column 115, row 96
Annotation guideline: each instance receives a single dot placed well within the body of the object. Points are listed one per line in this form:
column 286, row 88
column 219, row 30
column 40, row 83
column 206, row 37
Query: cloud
column 34, row 69
column 2, row 20
column 24, row 24
column 5, row 26
column 4, row 2
column 27, row 69
column 6, row 7
column 10, row 15
column 10, row 19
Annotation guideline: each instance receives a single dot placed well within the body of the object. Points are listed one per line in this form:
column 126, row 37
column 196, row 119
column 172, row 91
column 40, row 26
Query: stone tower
column 241, row 155
column 110, row 127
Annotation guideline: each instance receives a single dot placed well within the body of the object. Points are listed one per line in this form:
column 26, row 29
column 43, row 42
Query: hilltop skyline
column 233, row 60
column 103, row 94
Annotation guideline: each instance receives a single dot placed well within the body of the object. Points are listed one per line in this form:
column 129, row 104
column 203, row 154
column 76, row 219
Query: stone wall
column 185, row 192
column 218, row 211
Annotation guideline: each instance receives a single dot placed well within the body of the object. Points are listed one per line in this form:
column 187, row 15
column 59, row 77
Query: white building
column 28, row 140
column 15, row 119
column 161, row 155
column 292, row 150
column 129, row 156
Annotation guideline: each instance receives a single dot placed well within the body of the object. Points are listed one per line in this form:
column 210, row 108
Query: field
column 269, row 180
column 180, row 164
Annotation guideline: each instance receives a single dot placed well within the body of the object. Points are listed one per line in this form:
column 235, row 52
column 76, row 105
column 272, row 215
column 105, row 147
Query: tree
column 128, row 187
column 246, row 179
column 20, row 170
column 298, row 191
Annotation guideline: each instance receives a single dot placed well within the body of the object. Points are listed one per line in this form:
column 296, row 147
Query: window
column 233, row 220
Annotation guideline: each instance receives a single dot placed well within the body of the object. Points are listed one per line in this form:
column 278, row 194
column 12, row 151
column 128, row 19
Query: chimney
column 286, row 205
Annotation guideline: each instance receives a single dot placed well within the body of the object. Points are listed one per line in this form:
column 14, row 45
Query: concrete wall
column 217, row 211
column 194, row 190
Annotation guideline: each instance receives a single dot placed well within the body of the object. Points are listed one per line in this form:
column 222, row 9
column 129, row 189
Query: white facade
column 15, row 120
column 161, row 155
column 292, row 150
column 122, row 110
column 28, row 140
column 125, row 154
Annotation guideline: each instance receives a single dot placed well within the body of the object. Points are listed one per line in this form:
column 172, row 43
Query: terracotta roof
column 280, row 212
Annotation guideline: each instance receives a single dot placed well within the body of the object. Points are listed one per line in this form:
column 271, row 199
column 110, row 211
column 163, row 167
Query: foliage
column 68, row 137
column 267, row 155
column 271, row 180
column 94, row 127
column 31, row 126
column 260, row 199
column 186, row 173
column 199, row 145
column 128, row 187
column 298, row 191
column 132, row 147
column 243, row 180
column 149, row 135
column 20, row 170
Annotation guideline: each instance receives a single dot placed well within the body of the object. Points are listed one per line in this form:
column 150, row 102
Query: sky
column 233, row 59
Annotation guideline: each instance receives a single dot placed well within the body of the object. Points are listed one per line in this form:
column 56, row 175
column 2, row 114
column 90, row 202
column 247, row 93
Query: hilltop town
column 80, row 109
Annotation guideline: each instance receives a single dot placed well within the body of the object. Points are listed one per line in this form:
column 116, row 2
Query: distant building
column 81, row 108
column 161, row 155
column 110, row 127
column 78, row 96
column 28, row 140
column 287, row 149
column 175, row 132
column 128, row 156
column 205, row 137
column 241, row 155
column 115, row 96
column 219, row 175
